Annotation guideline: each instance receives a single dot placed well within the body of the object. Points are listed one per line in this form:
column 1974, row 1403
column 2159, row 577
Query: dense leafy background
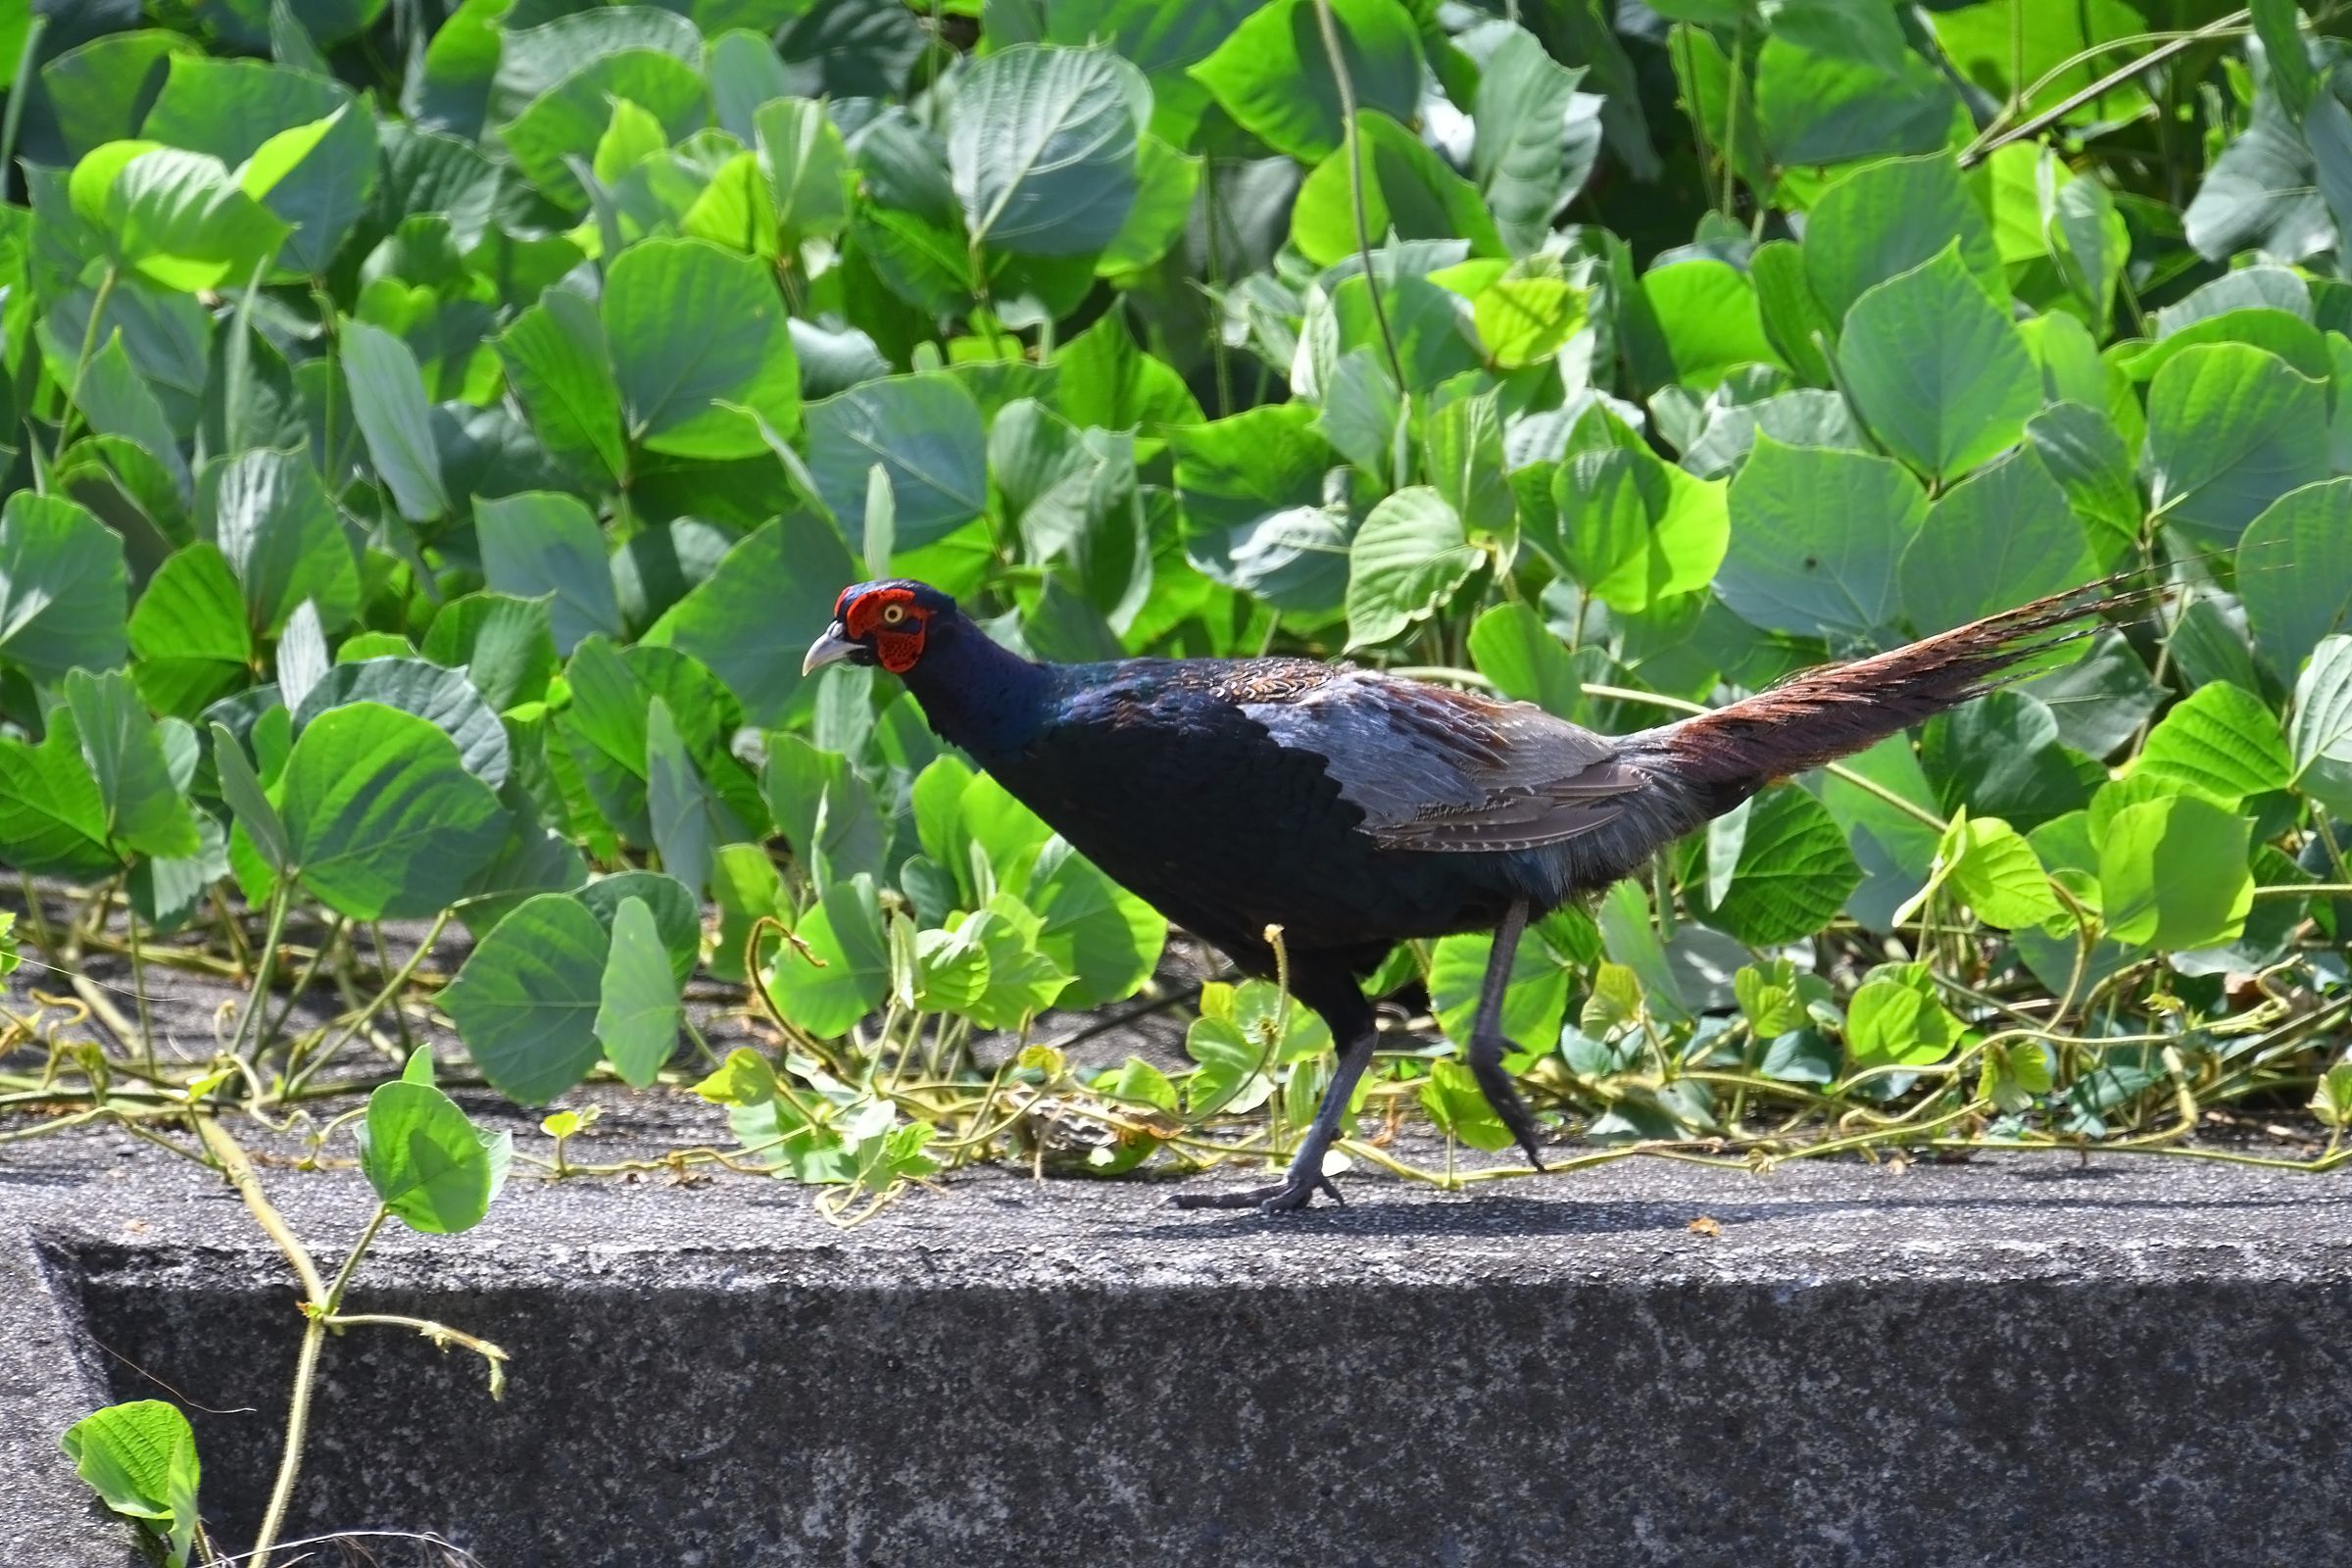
column 432, row 433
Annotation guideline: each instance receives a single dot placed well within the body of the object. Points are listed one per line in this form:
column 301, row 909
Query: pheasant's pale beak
column 830, row 649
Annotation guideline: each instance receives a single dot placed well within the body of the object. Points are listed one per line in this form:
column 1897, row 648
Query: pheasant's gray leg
column 1488, row 1041
column 1306, row 1177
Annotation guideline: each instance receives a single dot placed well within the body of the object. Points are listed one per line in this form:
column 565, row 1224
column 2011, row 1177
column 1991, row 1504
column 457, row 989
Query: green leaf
column 145, row 811
column 639, row 1013
column 540, row 543
column 52, row 816
column 562, row 370
column 527, row 999
column 1937, row 369
column 925, row 432
column 844, row 970
column 1512, row 647
column 1800, row 417
column 2291, row 338
column 2230, row 430
column 1534, row 1001
column 1161, row 41
column 1633, row 530
column 1793, row 317
column 2083, row 452
column 189, row 634
column 677, row 912
column 101, row 90
column 745, row 886
column 1104, row 938
column 1890, row 218
column 1629, row 937
column 250, row 23
column 1272, row 75
column 686, row 817
column 443, row 697
column 2220, row 741
column 950, row 969
column 1139, row 1083
column 178, row 218
column 1524, row 167
column 568, row 120
column 2319, row 738
column 506, row 646
column 1363, row 414
column 605, row 730
column 1836, row 82
column 2001, row 537
column 632, row 135
column 1998, row 874
column 63, row 589
column 751, row 620
column 1895, row 1021
column 2294, row 573
column 2260, row 192
column 242, row 789
column 1250, row 487
column 805, row 165
column 1793, row 874
column 1526, row 321
column 1461, row 451
column 381, row 816
column 1451, row 1098
column 2331, row 1100
column 2015, row 1075
column 1615, row 1000
column 1769, row 997
column 116, row 403
column 1108, row 381
column 1710, row 316
column 315, row 177
column 692, row 326
column 1816, row 536
column 140, row 1459
column 1230, row 1079
column 1023, row 980
column 2101, row 700
column 2001, row 755
column 1041, row 148
column 1407, row 561
column 1168, row 189
column 429, row 1164
column 274, row 524
column 734, row 209
column 1408, row 193
column 2173, row 873
column 742, row 1080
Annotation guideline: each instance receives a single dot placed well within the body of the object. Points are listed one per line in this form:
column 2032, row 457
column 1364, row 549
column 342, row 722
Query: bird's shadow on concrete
column 1502, row 1215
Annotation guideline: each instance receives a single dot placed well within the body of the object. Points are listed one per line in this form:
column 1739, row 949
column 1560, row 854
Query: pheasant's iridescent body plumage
column 1356, row 809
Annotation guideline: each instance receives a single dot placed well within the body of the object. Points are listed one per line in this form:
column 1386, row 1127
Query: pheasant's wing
column 1437, row 769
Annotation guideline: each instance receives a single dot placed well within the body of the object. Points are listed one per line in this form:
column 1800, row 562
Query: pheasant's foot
column 1280, row 1197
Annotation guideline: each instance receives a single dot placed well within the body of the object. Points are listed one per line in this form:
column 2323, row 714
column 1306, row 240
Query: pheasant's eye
column 892, row 614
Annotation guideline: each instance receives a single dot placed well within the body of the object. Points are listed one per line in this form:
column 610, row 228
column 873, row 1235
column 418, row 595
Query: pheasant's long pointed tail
column 1838, row 710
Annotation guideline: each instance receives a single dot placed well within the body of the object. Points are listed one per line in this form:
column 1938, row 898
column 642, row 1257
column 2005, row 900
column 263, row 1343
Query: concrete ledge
column 2009, row 1362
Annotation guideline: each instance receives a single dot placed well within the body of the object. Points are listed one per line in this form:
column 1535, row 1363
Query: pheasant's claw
column 1485, row 1066
column 1298, row 1195
column 1281, row 1198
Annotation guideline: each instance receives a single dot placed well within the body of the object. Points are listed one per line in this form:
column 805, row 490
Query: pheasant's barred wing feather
column 1437, row 769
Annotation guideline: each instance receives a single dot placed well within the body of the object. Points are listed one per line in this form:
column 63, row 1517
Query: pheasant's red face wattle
column 889, row 621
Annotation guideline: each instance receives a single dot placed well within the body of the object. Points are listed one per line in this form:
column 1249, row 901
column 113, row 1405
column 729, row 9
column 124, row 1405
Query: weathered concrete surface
column 2011, row 1362
column 44, row 1389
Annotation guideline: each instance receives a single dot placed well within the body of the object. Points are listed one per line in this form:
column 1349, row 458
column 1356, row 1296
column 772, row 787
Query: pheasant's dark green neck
column 977, row 694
